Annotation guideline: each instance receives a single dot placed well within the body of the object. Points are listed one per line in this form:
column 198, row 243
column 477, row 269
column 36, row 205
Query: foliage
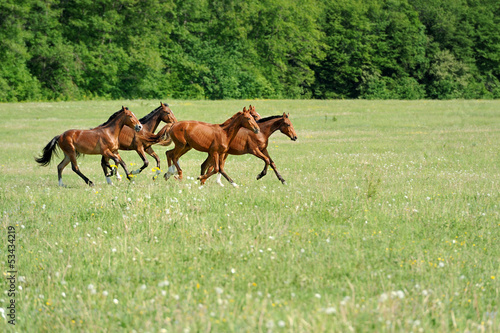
column 229, row 49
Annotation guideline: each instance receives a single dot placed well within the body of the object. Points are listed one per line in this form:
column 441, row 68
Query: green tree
column 16, row 81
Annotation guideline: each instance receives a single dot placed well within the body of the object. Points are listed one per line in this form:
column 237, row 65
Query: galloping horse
column 211, row 138
column 141, row 142
column 102, row 140
column 247, row 142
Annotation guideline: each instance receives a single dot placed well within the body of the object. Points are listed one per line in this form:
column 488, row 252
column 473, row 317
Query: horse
column 102, row 140
column 141, row 142
column 211, row 138
column 247, row 142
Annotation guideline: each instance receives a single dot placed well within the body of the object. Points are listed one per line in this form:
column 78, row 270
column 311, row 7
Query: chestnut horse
column 211, row 138
column 141, row 142
column 247, row 142
column 102, row 140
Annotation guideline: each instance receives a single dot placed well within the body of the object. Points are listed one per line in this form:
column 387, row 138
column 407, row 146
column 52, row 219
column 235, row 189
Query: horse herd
column 244, row 133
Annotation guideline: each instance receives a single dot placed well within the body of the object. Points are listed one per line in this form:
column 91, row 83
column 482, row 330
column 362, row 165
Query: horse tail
column 164, row 138
column 44, row 160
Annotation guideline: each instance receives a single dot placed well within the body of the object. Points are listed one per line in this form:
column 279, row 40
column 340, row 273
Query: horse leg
column 173, row 161
column 105, row 166
column 256, row 152
column 205, row 165
column 118, row 160
column 76, row 169
column 171, row 168
column 222, row 172
column 145, row 162
column 176, row 158
column 215, row 159
column 271, row 162
column 113, row 169
column 61, row 167
column 152, row 153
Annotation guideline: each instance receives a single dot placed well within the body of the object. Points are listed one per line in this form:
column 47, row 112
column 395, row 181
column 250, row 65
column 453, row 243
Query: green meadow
column 390, row 222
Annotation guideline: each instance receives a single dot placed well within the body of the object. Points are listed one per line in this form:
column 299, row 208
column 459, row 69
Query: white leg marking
column 172, row 170
column 234, row 184
column 218, row 180
column 118, row 177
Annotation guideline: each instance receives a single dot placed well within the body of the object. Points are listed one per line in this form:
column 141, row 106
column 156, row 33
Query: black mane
column 268, row 118
column 150, row 115
column 113, row 116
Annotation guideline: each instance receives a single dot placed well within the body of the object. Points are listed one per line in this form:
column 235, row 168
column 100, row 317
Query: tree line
column 232, row 49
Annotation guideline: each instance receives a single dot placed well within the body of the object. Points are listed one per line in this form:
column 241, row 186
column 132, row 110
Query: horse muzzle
column 294, row 138
column 138, row 128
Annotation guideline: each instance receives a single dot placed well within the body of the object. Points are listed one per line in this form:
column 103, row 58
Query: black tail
column 44, row 160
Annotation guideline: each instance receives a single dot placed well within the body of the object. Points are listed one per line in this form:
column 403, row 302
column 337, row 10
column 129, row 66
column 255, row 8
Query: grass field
column 390, row 222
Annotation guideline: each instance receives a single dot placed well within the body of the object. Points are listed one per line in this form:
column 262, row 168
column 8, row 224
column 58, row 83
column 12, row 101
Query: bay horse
column 102, row 140
column 248, row 142
column 142, row 141
column 211, row 138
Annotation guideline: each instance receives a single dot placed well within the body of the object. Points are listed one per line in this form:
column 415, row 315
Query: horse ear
column 244, row 109
column 284, row 115
column 123, row 108
column 161, row 103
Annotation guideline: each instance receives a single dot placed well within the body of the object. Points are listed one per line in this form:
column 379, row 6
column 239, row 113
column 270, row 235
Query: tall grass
column 390, row 222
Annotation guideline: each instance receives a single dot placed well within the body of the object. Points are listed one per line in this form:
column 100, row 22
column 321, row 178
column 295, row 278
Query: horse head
column 248, row 121
column 166, row 114
column 254, row 113
column 131, row 120
column 286, row 127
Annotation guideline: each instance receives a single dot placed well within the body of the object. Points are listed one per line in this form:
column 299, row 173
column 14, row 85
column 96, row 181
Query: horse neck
column 152, row 124
column 269, row 127
column 232, row 128
column 115, row 126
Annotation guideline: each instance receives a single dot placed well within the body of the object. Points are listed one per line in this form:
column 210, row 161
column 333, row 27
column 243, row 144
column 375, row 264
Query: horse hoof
column 235, row 185
column 91, row 184
column 284, row 182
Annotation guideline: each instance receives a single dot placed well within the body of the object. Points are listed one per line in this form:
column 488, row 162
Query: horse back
column 90, row 142
column 198, row 135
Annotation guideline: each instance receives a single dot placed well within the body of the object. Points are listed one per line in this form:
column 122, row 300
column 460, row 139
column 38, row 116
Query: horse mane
column 111, row 118
column 150, row 115
column 262, row 120
column 231, row 119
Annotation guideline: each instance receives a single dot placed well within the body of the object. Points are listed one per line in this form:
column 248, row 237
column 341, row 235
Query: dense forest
column 208, row 49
